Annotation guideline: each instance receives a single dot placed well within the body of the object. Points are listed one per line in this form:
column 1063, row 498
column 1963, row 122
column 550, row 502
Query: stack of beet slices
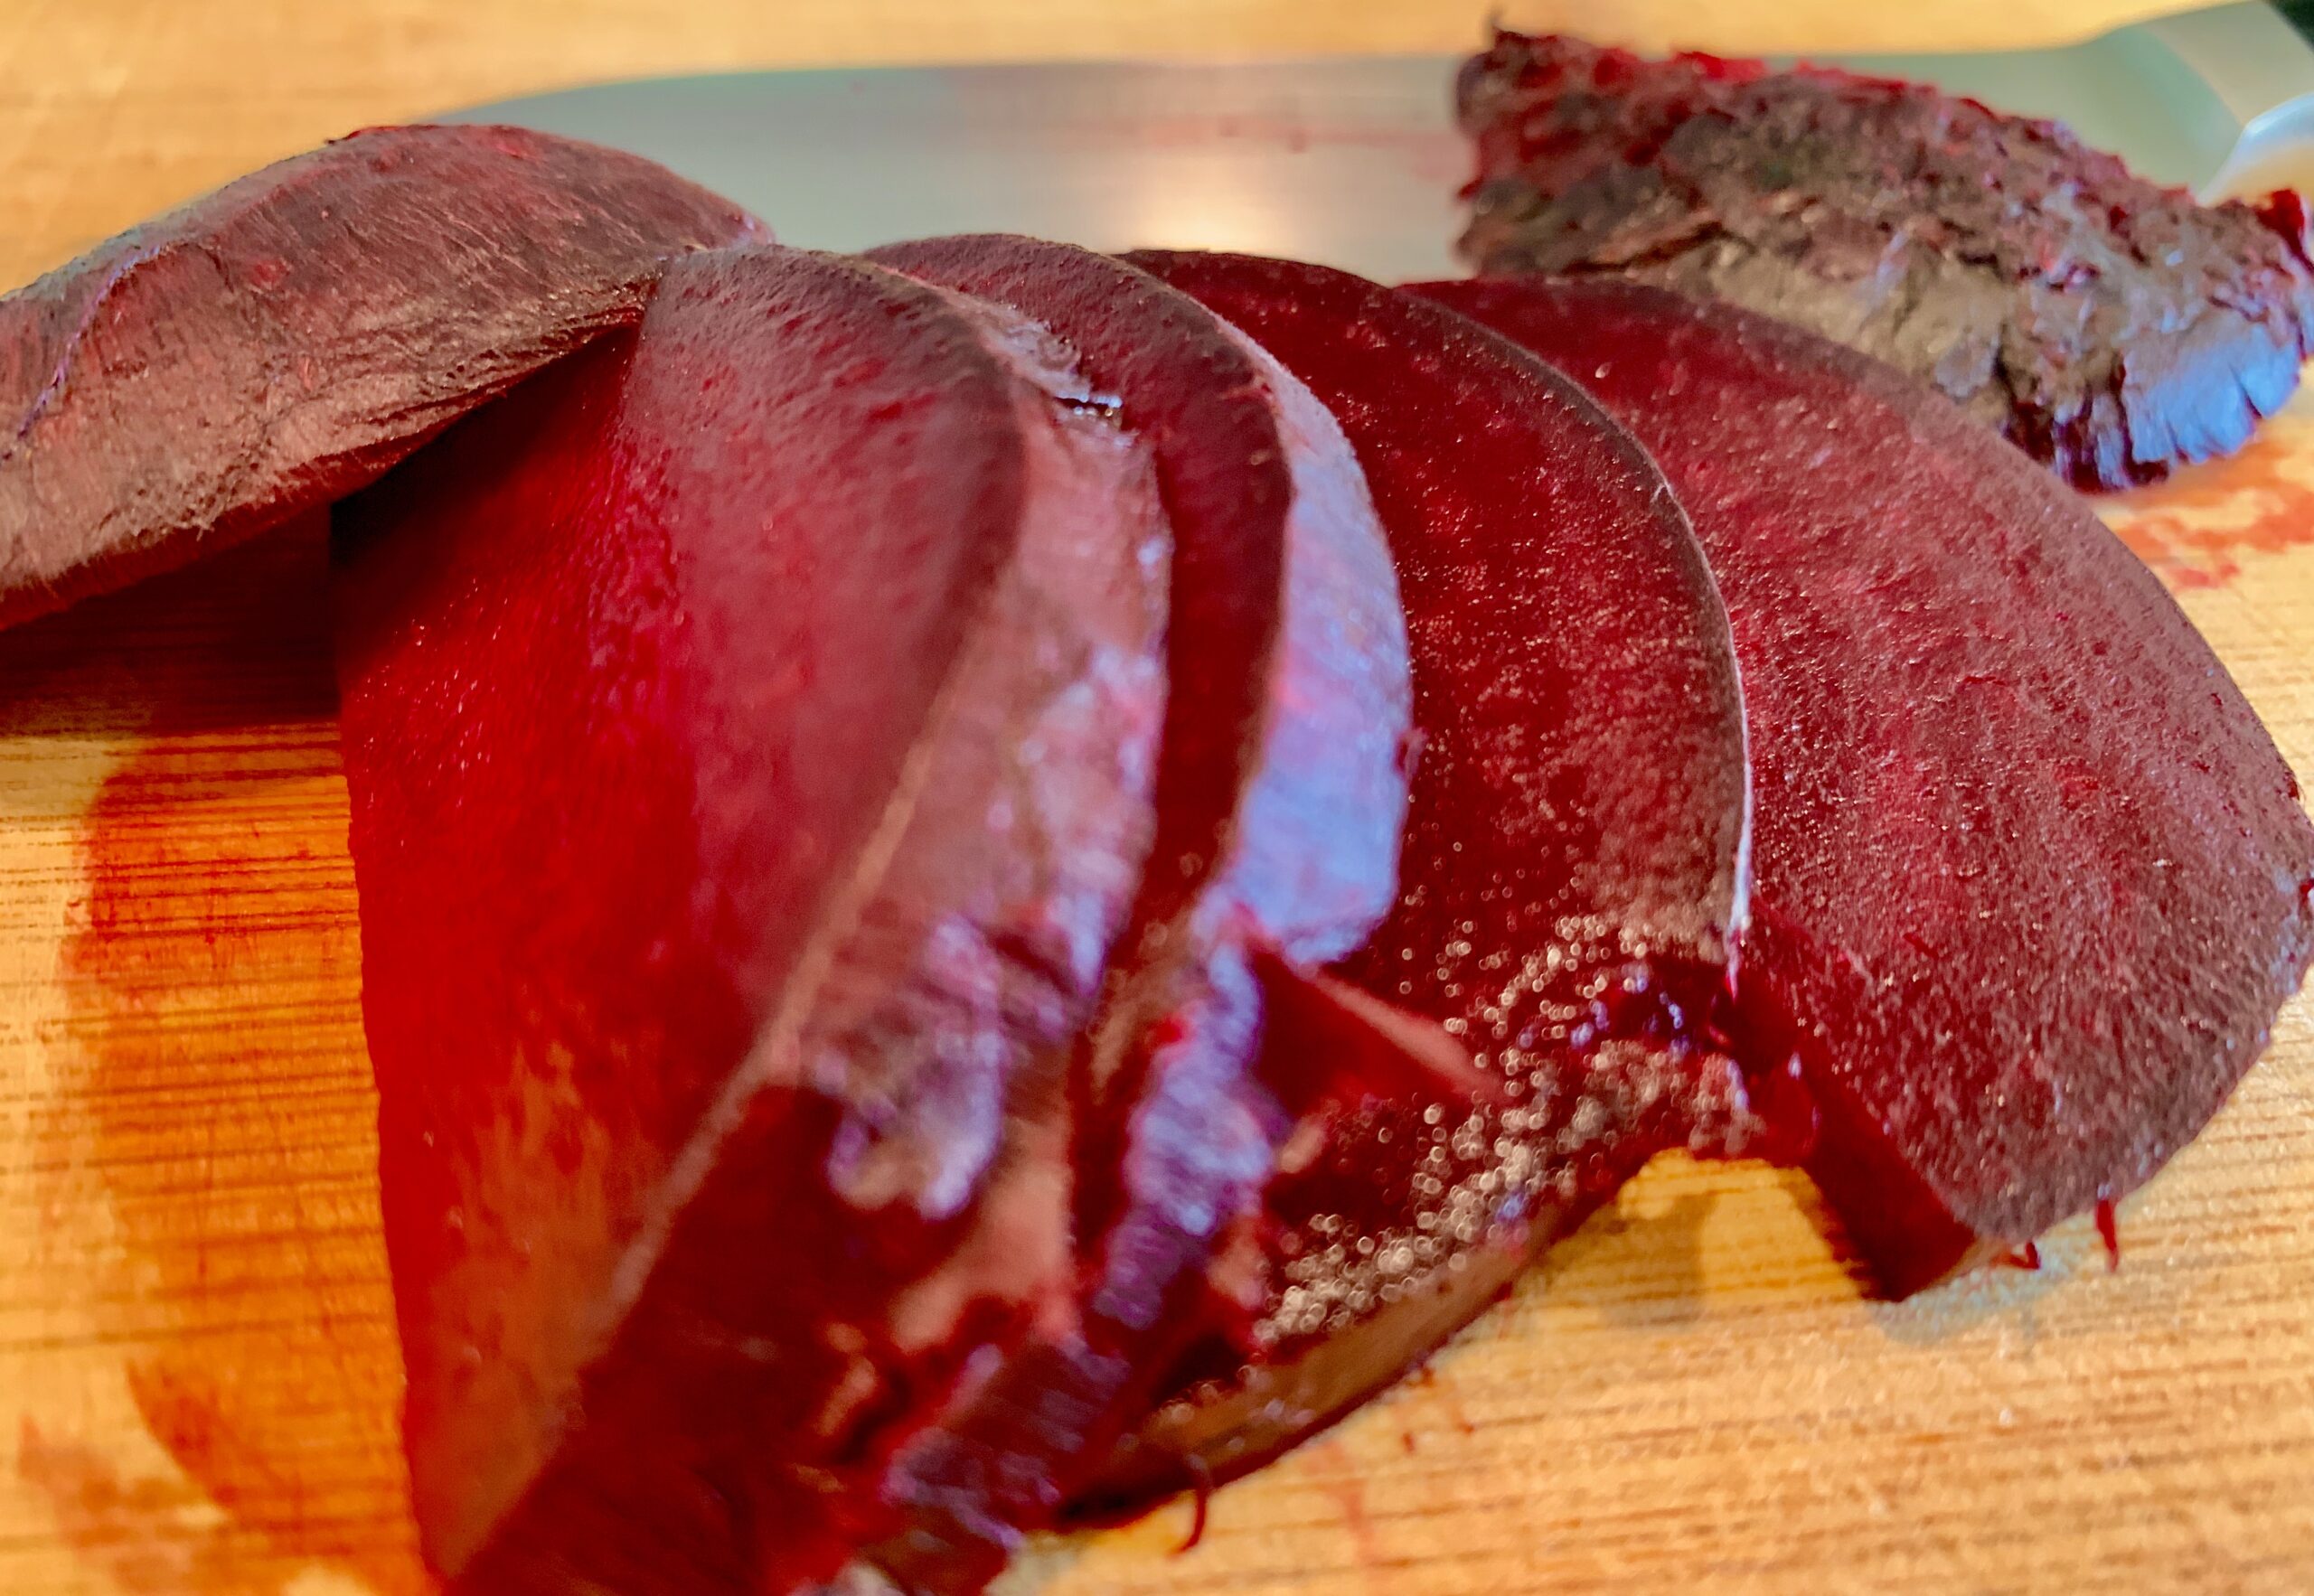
column 995, row 880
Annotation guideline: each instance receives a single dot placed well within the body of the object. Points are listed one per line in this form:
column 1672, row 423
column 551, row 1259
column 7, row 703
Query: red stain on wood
column 219, row 1099
column 1337, row 1475
column 2194, row 529
column 1200, row 1504
column 134, row 1529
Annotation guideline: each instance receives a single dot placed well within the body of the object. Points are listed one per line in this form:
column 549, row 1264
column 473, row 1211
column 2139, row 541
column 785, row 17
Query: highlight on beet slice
column 2109, row 327
column 280, row 342
column 1573, row 867
column 750, row 726
column 1279, row 796
column 2030, row 879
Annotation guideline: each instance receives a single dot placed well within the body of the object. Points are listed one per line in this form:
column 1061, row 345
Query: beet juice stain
column 219, row 1089
column 2194, row 529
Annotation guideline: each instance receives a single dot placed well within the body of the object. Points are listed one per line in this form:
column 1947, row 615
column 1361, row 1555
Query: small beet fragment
column 1279, row 802
column 277, row 343
column 1573, row 867
column 2109, row 327
column 750, row 726
column 2030, row 881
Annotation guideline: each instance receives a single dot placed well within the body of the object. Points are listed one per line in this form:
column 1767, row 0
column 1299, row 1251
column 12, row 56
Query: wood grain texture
column 198, row 1378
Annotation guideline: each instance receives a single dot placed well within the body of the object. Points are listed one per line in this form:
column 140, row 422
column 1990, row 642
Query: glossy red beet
column 283, row 341
column 2030, row 878
column 750, row 727
column 1279, row 797
column 1573, row 864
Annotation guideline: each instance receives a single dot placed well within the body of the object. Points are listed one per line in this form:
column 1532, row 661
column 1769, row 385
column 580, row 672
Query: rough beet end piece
column 749, row 727
column 1280, row 796
column 1573, row 865
column 2029, row 877
column 283, row 341
column 2109, row 327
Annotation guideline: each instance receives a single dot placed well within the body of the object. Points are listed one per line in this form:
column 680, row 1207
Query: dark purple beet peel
column 277, row 343
column 1573, row 865
column 750, row 727
column 2107, row 326
column 2030, row 881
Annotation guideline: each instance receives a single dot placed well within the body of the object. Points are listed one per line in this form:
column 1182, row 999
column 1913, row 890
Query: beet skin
column 750, row 727
column 2029, row 877
column 2107, row 326
column 277, row 343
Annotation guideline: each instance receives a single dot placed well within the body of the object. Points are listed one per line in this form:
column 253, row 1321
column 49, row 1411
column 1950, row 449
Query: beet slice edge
column 275, row 344
column 717, row 1068
column 2030, row 878
column 1280, row 794
column 1567, row 898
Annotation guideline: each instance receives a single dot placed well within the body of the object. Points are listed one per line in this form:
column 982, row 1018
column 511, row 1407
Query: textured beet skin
column 1281, row 792
column 2109, row 327
column 2029, row 877
column 750, row 726
column 1573, row 865
column 283, row 341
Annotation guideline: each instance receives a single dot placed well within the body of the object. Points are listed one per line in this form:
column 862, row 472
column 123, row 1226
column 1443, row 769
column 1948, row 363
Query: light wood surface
column 198, row 1374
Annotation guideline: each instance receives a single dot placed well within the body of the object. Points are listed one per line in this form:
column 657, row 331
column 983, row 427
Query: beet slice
column 1573, row 865
column 749, row 727
column 1280, row 794
column 2109, row 327
column 2030, row 879
column 283, row 341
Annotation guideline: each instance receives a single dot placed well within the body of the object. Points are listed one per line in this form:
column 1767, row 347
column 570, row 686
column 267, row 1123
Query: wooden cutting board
column 198, row 1373
column 195, row 1325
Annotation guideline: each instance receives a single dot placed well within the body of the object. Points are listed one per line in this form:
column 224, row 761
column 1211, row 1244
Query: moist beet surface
column 275, row 344
column 749, row 727
column 2109, row 327
column 1573, row 864
column 2029, row 877
column 1280, row 794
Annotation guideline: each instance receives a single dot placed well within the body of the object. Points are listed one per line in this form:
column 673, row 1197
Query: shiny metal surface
column 1352, row 162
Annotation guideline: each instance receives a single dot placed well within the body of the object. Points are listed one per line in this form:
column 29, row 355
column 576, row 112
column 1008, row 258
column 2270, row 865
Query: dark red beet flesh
column 749, row 727
column 2029, row 877
column 1279, row 797
column 2107, row 326
column 280, row 342
column 1573, row 863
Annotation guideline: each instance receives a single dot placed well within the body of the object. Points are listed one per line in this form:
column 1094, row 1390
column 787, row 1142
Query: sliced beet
column 1281, row 794
column 2109, row 327
column 2030, row 879
column 280, row 342
column 1573, row 864
column 750, row 728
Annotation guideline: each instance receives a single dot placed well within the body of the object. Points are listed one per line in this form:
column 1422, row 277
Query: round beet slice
column 1573, row 865
column 281, row 341
column 2030, row 879
column 750, row 727
column 1280, row 796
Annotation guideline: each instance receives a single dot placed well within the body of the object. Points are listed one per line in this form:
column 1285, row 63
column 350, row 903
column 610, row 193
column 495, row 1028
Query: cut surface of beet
column 276, row 343
column 1573, row 867
column 1280, row 796
column 2029, row 877
column 2106, row 324
column 750, row 727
